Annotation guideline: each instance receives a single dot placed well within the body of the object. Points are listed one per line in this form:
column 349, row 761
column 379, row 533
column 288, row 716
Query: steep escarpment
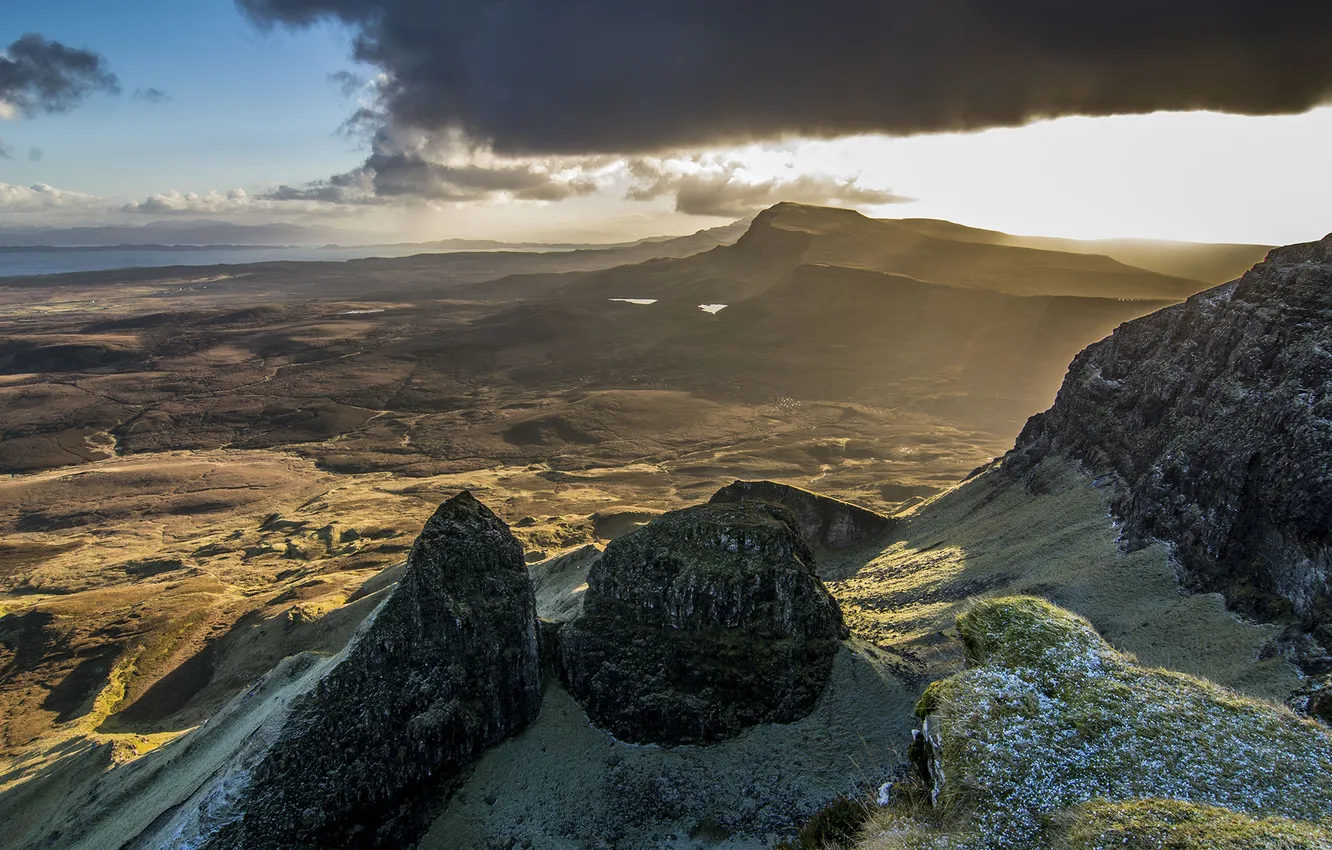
column 1214, row 418
column 703, row 623
column 447, row 667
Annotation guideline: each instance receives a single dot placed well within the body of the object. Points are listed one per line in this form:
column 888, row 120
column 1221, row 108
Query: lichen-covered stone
column 1050, row 717
column 823, row 521
column 1214, row 419
column 447, row 667
column 702, row 623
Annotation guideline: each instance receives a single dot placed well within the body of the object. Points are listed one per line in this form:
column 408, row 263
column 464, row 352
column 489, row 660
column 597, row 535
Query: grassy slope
column 1049, row 716
column 1152, row 824
column 565, row 784
column 993, row 536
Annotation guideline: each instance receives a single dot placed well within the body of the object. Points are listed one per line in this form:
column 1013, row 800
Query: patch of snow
column 360, row 312
column 714, row 309
column 642, row 302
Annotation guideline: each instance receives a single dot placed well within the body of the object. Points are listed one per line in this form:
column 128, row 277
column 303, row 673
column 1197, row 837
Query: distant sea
column 59, row 260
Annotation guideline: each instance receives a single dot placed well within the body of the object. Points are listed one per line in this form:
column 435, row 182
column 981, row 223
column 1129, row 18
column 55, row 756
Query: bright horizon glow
column 1197, row 176
column 251, row 110
column 1180, row 176
column 1200, row 177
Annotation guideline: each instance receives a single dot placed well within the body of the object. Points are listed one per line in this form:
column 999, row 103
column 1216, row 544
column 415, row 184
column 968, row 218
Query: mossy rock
column 700, row 624
column 1025, row 631
column 1050, row 717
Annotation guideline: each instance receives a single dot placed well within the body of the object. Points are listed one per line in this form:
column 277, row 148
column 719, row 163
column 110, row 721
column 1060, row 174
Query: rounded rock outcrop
column 704, row 622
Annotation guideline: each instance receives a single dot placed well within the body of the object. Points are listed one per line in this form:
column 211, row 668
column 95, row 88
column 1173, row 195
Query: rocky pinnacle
column 447, row 668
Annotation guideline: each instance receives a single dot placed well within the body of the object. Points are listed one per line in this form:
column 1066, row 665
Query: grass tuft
column 835, row 826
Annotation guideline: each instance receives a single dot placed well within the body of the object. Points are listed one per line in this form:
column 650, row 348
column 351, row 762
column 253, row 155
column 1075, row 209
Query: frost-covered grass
column 1049, row 717
column 1153, row 824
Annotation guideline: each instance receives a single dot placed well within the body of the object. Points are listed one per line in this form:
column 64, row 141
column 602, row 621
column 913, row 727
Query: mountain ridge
column 1210, row 262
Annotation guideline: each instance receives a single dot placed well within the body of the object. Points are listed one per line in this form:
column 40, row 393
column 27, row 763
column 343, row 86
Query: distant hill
column 700, row 240
column 809, row 304
column 40, row 249
column 788, row 236
column 1212, row 263
column 819, row 303
column 192, row 232
column 166, row 235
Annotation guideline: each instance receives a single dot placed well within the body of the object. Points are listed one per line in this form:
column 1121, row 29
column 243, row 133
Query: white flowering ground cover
column 1052, row 738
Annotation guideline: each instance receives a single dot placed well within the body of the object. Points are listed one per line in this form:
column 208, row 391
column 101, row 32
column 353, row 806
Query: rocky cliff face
column 704, row 622
column 447, row 668
column 1214, row 418
column 823, row 521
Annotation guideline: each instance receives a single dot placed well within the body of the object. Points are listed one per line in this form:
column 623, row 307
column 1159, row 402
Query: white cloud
column 174, row 201
column 7, row 110
column 39, row 197
column 740, row 184
column 41, row 203
column 232, row 202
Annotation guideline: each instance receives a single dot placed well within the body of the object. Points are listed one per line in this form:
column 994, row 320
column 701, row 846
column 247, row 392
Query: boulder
column 447, row 667
column 702, row 623
column 824, row 522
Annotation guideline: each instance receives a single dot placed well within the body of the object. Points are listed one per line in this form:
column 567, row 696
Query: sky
column 595, row 120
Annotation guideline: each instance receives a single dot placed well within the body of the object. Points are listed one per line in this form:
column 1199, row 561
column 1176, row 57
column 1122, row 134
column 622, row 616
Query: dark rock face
column 702, row 623
column 1215, row 418
column 447, row 668
column 823, row 520
column 1314, row 700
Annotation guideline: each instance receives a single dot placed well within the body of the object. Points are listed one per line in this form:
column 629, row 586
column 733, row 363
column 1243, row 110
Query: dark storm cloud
column 352, row 187
column 37, row 75
column 406, row 174
column 386, row 176
column 535, row 76
column 323, row 191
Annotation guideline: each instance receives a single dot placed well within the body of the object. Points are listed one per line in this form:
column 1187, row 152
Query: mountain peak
column 789, row 215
